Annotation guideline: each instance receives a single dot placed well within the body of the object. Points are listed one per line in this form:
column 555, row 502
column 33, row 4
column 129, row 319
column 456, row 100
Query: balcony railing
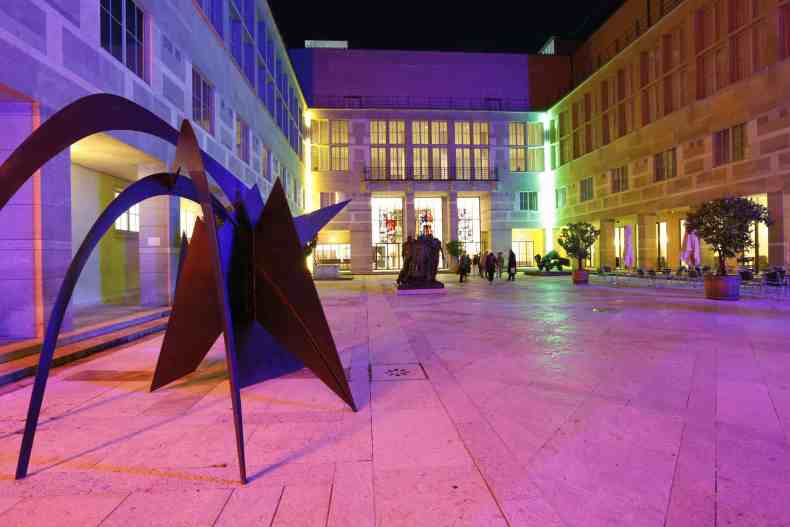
column 451, row 173
column 421, row 103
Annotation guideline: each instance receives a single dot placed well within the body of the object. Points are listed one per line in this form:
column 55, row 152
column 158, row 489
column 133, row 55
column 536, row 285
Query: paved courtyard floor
column 525, row 404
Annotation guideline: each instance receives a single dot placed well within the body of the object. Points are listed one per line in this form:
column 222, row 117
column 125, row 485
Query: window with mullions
column 242, row 140
column 729, row 145
column 122, row 33
column 213, row 11
column 517, row 141
column 528, row 201
column 560, row 197
column 586, row 189
column 620, row 179
column 319, row 137
column 202, row 102
column 129, row 221
column 419, row 133
column 665, row 165
column 439, row 161
column 339, row 146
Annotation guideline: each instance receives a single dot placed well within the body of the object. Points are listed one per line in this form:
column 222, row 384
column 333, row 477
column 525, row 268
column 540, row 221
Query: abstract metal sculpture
column 226, row 283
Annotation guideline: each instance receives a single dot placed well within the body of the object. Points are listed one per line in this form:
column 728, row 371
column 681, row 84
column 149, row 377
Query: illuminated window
column 397, row 132
column 339, row 132
column 339, row 158
column 378, row 162
column 378, row 132
column 463, row 163
column 535, row 162
column 518, row 162
column 481, row 163
column 480, row 133
column 534, row 134
column 463, row 133
column 421, row 163
column 517, row 139
column 339, row 148
column 439, row 133
column 122, row 31
column 419, row 133
column 439, row 165
column 129, row 221
column 398, row 163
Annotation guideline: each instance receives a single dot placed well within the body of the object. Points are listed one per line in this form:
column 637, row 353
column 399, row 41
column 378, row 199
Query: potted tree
column 454, row 250
column 726, row 225
column 577, row 239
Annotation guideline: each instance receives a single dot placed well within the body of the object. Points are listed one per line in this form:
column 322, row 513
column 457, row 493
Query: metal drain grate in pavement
column 397, row 372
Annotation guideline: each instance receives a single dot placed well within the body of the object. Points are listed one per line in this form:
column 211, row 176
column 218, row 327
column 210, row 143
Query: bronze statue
column 421, row 262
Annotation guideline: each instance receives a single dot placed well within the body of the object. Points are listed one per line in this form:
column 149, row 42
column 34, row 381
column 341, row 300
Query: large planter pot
column 581, row 277
column 722, row 287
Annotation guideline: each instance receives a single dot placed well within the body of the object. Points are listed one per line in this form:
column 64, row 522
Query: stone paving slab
column 531, row 403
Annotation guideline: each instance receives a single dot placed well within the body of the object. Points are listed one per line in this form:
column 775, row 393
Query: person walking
column 500, row 264
column 490, row 267
column 475, row 263
column 481, row 264
column 511, row 266
column 464, row 265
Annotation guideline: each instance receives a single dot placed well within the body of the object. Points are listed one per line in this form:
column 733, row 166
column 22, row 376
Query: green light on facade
column 547, row 188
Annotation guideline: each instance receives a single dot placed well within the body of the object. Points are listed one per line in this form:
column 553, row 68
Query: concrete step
column 20, row 360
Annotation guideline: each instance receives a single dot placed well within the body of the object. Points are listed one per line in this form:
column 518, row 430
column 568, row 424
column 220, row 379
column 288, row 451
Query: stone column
column 359, row 212
column 159, row 245
column 409, row 217
column 606, row 255
column 501, row 229
column 35, row 233
column 647, row 257
column 674, row 239
column 778, row 233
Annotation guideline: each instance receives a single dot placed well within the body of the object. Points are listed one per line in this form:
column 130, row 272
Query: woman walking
column 511, row 266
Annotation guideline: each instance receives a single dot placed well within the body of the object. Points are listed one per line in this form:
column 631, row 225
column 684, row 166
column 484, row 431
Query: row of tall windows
column 729, row 146
column 252, row 43
column 526, row 147
column 725, row 41
column 329, row 144
column 430, row 142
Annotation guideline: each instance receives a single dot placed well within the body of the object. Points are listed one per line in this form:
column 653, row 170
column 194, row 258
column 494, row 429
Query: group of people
column 489, row 265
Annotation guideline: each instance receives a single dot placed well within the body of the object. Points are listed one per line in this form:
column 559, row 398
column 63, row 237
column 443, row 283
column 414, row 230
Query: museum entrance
column 428, row 213
column 387, row 232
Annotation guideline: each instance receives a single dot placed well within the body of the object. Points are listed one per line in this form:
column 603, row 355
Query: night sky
column 437, row 25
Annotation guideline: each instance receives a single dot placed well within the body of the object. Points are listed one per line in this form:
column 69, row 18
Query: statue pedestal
column 424, row 291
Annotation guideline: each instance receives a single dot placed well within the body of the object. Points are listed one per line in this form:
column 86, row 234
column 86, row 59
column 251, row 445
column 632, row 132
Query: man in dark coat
column 511, row 266
column 490, row 266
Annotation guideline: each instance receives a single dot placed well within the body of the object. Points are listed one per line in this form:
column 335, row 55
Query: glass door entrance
column 387, row 226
